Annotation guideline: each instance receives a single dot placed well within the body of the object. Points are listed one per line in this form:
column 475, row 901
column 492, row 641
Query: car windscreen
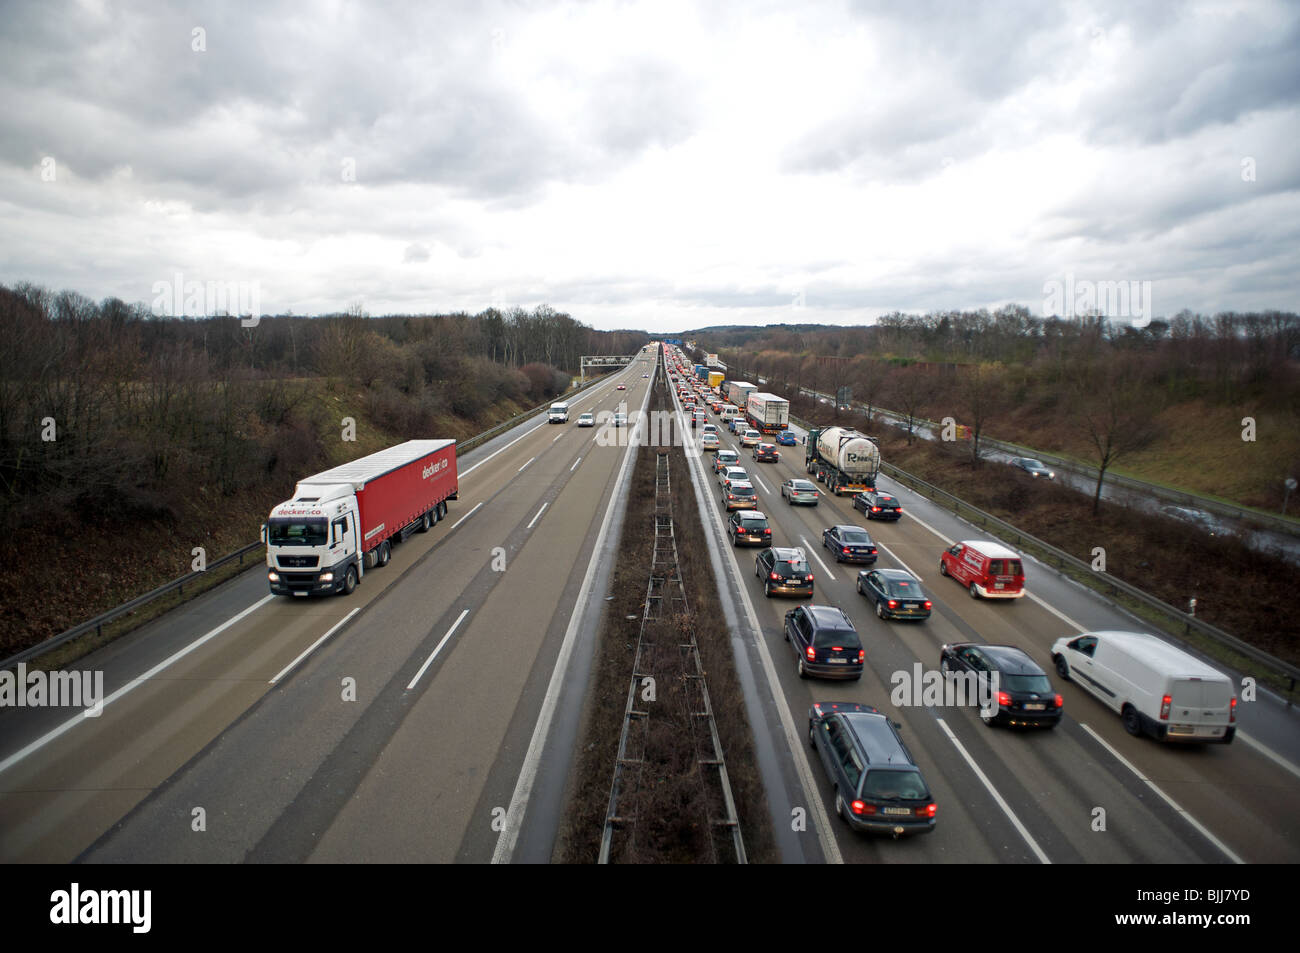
column 855, row 536
column 291, row 532
column 889, row 785
column 1026, row 683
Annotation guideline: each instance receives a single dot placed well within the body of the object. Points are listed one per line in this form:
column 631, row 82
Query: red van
column 987, row 569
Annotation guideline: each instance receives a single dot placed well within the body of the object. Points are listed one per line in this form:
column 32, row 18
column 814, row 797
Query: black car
column 750, row 528
column 877, row 505
column 896, row 593
column 766, row 453
column 784, row 570
column 1019, row 690
column 1034, row 468
column 878, row 787
column 850, row 544
column 825, row 642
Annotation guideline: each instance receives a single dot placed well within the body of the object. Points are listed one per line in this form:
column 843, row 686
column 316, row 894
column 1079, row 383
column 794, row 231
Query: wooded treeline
column 108, row 411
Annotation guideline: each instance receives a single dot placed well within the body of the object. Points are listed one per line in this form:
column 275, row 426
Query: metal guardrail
column 1100, row 581
column 98, row 623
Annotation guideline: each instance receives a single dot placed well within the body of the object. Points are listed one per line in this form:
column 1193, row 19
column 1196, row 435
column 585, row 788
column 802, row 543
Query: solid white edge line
column 521, row 469
column 135, row 682
column 537, row 516
column 334, row 628
column 813, row 553
column 1269, row 753
column 467, row 515
column 1006, row 808
column 523, row 791
column 1205, row 831
column 438, row 648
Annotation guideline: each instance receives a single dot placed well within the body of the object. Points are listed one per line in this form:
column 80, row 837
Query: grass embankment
column 1244, row 592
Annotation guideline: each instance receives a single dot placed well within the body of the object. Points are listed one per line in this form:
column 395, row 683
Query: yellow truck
column 715, row 378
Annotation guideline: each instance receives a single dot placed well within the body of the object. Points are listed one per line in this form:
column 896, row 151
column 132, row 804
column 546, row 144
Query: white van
column 558, row 414
column 1157, row 689
column 728, row 411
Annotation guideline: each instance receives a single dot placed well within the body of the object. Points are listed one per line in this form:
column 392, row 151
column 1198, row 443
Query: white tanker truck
column 845, row 460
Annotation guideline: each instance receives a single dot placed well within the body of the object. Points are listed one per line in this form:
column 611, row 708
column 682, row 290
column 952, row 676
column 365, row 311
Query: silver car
column 800, row 491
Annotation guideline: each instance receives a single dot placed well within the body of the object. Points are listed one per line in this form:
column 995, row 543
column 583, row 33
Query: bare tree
column 1116, row 411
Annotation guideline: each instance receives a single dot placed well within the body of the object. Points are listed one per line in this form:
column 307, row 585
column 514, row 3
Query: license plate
column 1035, row 707
column 299, row 593
column 912, row 605
column 897, row 811
column 838, row 661
column 997, row 585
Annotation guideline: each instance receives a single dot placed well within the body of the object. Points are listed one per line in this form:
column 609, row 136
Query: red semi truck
column 343, row 522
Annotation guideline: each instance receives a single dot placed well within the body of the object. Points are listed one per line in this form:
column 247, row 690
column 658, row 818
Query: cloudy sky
column 658, row 165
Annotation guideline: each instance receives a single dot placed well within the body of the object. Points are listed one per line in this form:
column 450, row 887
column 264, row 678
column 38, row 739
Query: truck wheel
column 1132, row 724
column 385, row 553
column 350, row 581
column 1062, row 667
column 424, row 524
column 943, row 569
column 974, row 593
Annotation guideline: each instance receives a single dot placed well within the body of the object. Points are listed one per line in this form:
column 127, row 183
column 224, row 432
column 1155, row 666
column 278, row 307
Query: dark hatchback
column 825, row 642
column 878, row 786
column 877, row 505
column 896, row 593
column 767, row 453
column 1025, row 696
column 749, row 528
column 850, row 544
column 784, row 571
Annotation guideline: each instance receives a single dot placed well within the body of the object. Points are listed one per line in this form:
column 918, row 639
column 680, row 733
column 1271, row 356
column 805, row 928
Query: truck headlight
column 273, row 576
column 327, row 577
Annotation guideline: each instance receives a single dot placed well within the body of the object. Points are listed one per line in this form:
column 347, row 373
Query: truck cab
column 312, row 542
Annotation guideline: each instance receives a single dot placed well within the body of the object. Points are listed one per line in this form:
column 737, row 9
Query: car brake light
column 808, row 578
column 1060, row 702
column 1004, row 700
column 927, row 811
column 1232, row 710
column 928, row 604
column 862, row 807
column 767, row 532
column 875, row 509
column 811, row 653
column 845, row 550
column 862, row 655
column 893, row 603
column 1165, row 704
column 775, row 576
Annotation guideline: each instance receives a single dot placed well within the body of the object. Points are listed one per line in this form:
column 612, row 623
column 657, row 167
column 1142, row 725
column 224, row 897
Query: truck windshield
column 289, row 532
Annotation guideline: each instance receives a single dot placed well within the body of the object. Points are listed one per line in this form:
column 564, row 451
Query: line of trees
column 107, row 410
column 1102, row 385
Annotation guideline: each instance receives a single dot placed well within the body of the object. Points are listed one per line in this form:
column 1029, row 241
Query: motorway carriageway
column 393, row 725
